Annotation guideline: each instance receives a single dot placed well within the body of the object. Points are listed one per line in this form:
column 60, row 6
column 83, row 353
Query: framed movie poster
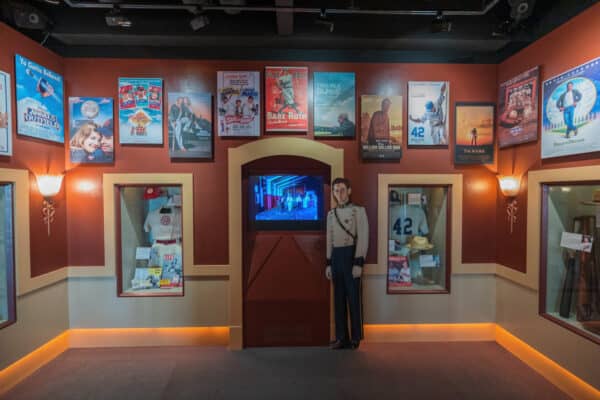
column 190, row 125
column 334, row 104
column 238, row 103
column 91, row 130
column 571, row 111
column 428, row 113
column 5, row 115
column 140, row 111
column 286, row 98
column 381, row 127
column 518, row 109
column 474, row 133
column 40, row 107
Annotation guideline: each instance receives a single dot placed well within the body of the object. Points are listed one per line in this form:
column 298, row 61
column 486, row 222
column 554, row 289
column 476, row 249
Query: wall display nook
column 140, row 111
column 190, row 125
column 418, row 239
column 5, row 115
column 428, row 113
column 571, row 111
column 286, row 99
column 381, row 127
column 518, row 109
column 474, row 133
column 149, row 240
column 334, row 104
column 7, row 260
column 238, row 106
column 91, row 129
column 40, row 108
column 570, row 273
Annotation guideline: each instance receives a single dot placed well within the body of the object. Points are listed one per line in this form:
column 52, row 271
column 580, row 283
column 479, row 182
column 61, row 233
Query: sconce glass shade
column 509, row 185
column 49, row 185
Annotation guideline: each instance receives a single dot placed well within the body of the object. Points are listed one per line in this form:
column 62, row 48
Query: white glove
column 328, row 272
column 356, row 271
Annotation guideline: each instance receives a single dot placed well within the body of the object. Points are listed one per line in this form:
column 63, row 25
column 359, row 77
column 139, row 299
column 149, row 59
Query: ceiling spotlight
column 325, row 20
column 200, row 20
column 440, row 23
column 115, row 18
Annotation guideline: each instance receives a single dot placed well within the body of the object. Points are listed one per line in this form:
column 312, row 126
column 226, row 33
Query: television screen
column 286, row 202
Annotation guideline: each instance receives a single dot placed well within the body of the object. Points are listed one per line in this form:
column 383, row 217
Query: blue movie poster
column 40, row 109
column 334, row 104
column 571, row 111
column 91, row 130
column 140, row 111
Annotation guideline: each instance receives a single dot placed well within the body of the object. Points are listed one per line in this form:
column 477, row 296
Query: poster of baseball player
column 190, row 125
column 238, row 107
column 334, row 104
column 381, row 127
column 91, row 130
column 40, row 107
column 517, row 109
column 398, row 273
column 428, row 113
column 5, row 115
column 571, row 111
column 140, row 111
column 286, row 98
column 474, row 133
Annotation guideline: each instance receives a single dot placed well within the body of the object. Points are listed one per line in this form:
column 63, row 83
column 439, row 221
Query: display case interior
column 149, row 240
column 7, row 265
column 418, row 239
column 570, row 273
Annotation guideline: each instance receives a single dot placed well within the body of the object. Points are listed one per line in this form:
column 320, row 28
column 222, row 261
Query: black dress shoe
column 338, row 345
column 354, row 344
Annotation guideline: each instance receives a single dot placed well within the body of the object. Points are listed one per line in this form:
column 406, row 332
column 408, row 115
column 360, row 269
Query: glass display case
column 570, row 259
column 7, row 260
column 418, row 239
column 149, row 240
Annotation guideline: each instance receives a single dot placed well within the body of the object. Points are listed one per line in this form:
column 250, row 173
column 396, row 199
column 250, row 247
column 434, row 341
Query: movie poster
column 517, row 109
column 91, row 130
column 398, row 273
column 238, row 103
column 5, row 115
column 190, row 125
column 381, row 127
column 428, row 113
column 40, row 107
column 140, row 111
column 334, row 104
column 286, row 98
column 571, row 111
column 474, row 133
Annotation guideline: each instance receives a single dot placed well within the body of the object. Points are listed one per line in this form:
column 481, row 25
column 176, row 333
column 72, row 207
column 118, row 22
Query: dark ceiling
column 454, row 31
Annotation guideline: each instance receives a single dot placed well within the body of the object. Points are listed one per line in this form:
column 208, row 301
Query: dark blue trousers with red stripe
column 346, row 292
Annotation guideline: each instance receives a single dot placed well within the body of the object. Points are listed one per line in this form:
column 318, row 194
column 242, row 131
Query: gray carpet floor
column 460, row 370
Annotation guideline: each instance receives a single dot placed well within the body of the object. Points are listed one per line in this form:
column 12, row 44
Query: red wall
column 38, row 156
column 570, row 45
column 98, row 77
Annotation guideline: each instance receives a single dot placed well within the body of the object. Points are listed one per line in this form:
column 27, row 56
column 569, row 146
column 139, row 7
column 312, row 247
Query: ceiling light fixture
column 440, row 23
column 325, row 20
column 115, row 18
column 200, row 20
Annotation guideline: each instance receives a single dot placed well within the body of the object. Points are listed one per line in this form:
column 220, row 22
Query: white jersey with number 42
column 406, row 221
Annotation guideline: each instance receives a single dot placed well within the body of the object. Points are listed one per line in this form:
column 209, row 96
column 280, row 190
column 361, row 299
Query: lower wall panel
column 41, row 316
column 517, row 312
column 93, row 303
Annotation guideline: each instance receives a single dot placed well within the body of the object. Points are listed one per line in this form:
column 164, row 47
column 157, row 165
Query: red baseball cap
column 152, row 192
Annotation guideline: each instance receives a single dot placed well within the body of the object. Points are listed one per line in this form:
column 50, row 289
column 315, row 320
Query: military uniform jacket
column 354, row 219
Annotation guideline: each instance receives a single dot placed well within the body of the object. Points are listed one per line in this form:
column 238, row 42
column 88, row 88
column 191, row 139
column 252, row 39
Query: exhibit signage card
column 40, row 106
column 140, row 111
column 381, row 127
column 286, row 98
column 428, row 113
column 518, row 109
column 190, row 125
column 474, row 133
column 5, row 115
column 576, row 241
column 238, row 103
column 571, row 111
column 334, row 104
column 91, row 129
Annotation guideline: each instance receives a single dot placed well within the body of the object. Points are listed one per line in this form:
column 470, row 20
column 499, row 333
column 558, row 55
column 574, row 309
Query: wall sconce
column 509, row 185
column 49, row 186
